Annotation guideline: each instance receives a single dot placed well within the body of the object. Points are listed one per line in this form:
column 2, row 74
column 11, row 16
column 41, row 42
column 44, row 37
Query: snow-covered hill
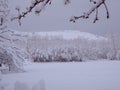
column 70, row 34
column 65, row 34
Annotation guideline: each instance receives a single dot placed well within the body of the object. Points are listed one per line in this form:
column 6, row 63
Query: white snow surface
column 94, row 75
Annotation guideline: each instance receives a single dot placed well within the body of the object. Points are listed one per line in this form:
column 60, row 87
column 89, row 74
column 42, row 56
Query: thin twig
column 106, row 10
column 87, row 14
column 20, row 16
column 96, row 16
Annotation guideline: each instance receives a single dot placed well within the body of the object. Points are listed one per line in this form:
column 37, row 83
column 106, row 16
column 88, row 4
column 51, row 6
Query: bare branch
column 28, row 10
column 66, row 2
column 96, row 16
column 106, row 10
column 86, row 15
column 95, row 7
column 93, row 1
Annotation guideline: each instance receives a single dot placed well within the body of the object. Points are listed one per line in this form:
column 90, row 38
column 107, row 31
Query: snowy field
column 94, row 75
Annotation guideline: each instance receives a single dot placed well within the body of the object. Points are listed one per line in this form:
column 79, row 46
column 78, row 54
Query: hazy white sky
column 56, row 17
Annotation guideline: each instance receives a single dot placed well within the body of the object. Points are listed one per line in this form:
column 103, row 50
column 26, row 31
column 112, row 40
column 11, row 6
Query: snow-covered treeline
column 56, row 48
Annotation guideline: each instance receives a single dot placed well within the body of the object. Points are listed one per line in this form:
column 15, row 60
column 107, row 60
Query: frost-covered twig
column 30, row 8
column 86, row 15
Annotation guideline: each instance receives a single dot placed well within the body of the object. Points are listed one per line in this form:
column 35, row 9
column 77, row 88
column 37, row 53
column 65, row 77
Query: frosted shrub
column 12, row 58
column 111, row 55
column 118, row 55
column 59, row 55
column 47, row 49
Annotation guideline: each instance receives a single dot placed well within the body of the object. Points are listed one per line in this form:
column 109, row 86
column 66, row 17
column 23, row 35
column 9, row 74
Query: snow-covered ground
column 94, row 75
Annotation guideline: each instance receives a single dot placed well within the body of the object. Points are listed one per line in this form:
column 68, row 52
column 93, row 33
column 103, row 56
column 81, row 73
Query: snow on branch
column 86, row 15
column 30, row 8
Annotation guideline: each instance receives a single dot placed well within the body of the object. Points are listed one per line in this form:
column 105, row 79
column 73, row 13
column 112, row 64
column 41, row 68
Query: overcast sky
column 57, row 15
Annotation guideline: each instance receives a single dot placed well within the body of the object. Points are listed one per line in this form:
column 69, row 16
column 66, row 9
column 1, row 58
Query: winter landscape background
column 47, row 52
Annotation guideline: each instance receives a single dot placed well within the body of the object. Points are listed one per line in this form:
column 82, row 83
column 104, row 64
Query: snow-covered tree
column 10, row 55
column 4, row 11
column 3, row 26
column 114, row 46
